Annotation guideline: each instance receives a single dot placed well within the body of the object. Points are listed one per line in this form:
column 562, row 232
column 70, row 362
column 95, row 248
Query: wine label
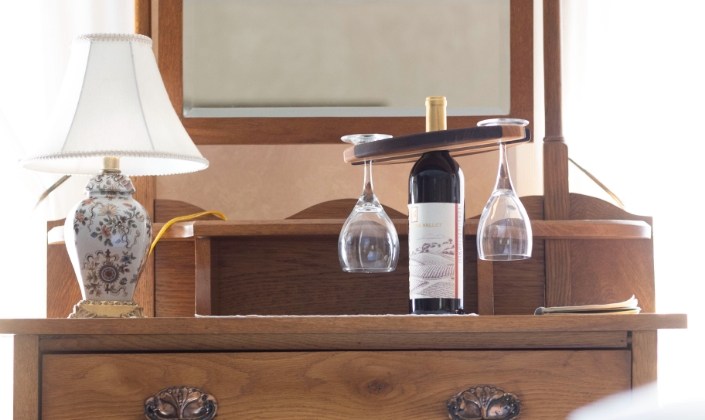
column 435, row 250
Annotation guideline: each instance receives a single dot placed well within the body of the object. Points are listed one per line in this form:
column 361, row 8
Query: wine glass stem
column 504, row 181
column 367, row 191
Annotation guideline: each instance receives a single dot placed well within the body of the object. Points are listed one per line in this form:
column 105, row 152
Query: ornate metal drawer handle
column 180, row 403
column 483, row 402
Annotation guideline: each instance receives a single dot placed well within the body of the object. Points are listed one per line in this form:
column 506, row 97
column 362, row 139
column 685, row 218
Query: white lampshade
column 113, row 103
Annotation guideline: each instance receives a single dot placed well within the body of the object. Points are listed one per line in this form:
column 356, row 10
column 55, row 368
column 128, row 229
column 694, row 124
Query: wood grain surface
column 458, row 142
column 326, row 385
column 380, row 324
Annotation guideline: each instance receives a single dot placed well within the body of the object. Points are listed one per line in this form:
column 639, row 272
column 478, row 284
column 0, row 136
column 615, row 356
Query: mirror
column 310, row 71
column 323, row 58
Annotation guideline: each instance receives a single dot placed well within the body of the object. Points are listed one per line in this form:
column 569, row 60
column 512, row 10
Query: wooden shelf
column 542, row 229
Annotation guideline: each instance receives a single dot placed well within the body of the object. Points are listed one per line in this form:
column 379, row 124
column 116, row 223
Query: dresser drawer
column 329, row 385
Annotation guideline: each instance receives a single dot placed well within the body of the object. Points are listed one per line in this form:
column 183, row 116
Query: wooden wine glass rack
column 459, row 142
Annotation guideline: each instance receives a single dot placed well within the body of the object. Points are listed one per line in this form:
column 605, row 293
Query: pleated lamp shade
column 113, row 103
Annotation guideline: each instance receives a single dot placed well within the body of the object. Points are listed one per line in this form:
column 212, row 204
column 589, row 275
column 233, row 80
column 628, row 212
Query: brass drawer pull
column 180, row 403
column 483, row 402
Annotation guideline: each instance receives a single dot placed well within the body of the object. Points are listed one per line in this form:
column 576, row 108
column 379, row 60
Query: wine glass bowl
column 368, row 241
column 504, row 231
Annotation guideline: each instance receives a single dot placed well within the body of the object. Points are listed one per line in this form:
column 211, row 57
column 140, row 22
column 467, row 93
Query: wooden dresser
column 286, row 334
column 331, row 367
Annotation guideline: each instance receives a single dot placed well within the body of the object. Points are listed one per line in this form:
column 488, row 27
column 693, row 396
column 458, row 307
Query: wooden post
column 644, row 357
column 145, row 186
column 555, row 160
column 27, row 401
column 205, row 304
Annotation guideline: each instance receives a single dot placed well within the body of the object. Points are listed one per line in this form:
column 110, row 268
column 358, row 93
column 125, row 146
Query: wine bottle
column 436, row 217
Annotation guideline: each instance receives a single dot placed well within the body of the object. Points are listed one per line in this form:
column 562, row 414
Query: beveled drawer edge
column 371, row 341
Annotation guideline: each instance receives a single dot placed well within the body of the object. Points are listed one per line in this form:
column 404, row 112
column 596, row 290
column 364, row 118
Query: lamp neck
column 111, row 164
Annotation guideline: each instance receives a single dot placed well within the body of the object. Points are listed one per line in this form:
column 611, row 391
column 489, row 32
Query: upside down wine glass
column 504, row 231
column 368, row 241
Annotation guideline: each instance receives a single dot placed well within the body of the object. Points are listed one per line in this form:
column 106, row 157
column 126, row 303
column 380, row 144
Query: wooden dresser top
column 347, row 324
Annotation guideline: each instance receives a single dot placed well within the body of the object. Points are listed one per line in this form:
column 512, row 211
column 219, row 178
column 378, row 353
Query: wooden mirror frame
column 162, row 20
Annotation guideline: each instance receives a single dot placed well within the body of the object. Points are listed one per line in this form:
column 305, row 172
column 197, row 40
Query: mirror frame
column 162, row 20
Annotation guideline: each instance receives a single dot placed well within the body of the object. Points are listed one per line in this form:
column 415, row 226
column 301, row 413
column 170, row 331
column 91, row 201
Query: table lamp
column 113, row 119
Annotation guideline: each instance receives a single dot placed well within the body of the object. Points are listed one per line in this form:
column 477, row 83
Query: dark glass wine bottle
column 436, row 217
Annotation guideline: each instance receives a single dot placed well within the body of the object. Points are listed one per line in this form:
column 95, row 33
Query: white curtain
column 35, row 39
column 634, row 83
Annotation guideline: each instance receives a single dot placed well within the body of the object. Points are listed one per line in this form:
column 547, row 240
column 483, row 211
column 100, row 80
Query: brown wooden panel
column 317, row 341
column 62, row 287
column 285, row 275
column 297, row 385
column 288, row 275
column 470, row 272
column 558, row 271
column 553, row 90
column 519, row 285
column 533, row 205
column 385, row 324
column 166, row 18
column 175, row 290
column 485, row 287
column 26, row 376
column 458, row 142
column 143, row 17
column 555, row 160
column 165, row 210
column 338, row 209
column 206, row 285
column 644, row 357
column 611, row 271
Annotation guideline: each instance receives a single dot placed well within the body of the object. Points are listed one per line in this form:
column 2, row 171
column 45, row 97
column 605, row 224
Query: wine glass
column 504, row 232
column 368, row 241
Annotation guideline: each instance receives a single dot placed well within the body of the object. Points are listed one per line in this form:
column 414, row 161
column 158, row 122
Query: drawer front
column 330, row 385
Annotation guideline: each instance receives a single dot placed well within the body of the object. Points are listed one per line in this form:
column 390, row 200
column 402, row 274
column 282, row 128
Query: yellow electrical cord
column 168, row 224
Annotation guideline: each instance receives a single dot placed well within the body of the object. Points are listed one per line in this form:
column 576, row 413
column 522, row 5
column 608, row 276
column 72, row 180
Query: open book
column 629, row 306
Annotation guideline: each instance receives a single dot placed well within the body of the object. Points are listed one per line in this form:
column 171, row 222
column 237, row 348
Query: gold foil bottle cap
column 436, row 113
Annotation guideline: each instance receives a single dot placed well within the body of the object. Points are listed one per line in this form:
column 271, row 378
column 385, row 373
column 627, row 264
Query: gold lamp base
column 106, row 309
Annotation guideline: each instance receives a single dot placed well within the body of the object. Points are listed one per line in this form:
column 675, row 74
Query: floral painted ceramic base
column 108, row 239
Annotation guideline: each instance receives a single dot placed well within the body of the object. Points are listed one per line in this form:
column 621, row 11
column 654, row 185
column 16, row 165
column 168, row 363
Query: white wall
column 633, row 90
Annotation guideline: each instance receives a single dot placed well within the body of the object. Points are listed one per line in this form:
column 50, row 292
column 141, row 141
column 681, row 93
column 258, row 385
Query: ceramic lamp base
column 106, row 309
column 107, row 237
